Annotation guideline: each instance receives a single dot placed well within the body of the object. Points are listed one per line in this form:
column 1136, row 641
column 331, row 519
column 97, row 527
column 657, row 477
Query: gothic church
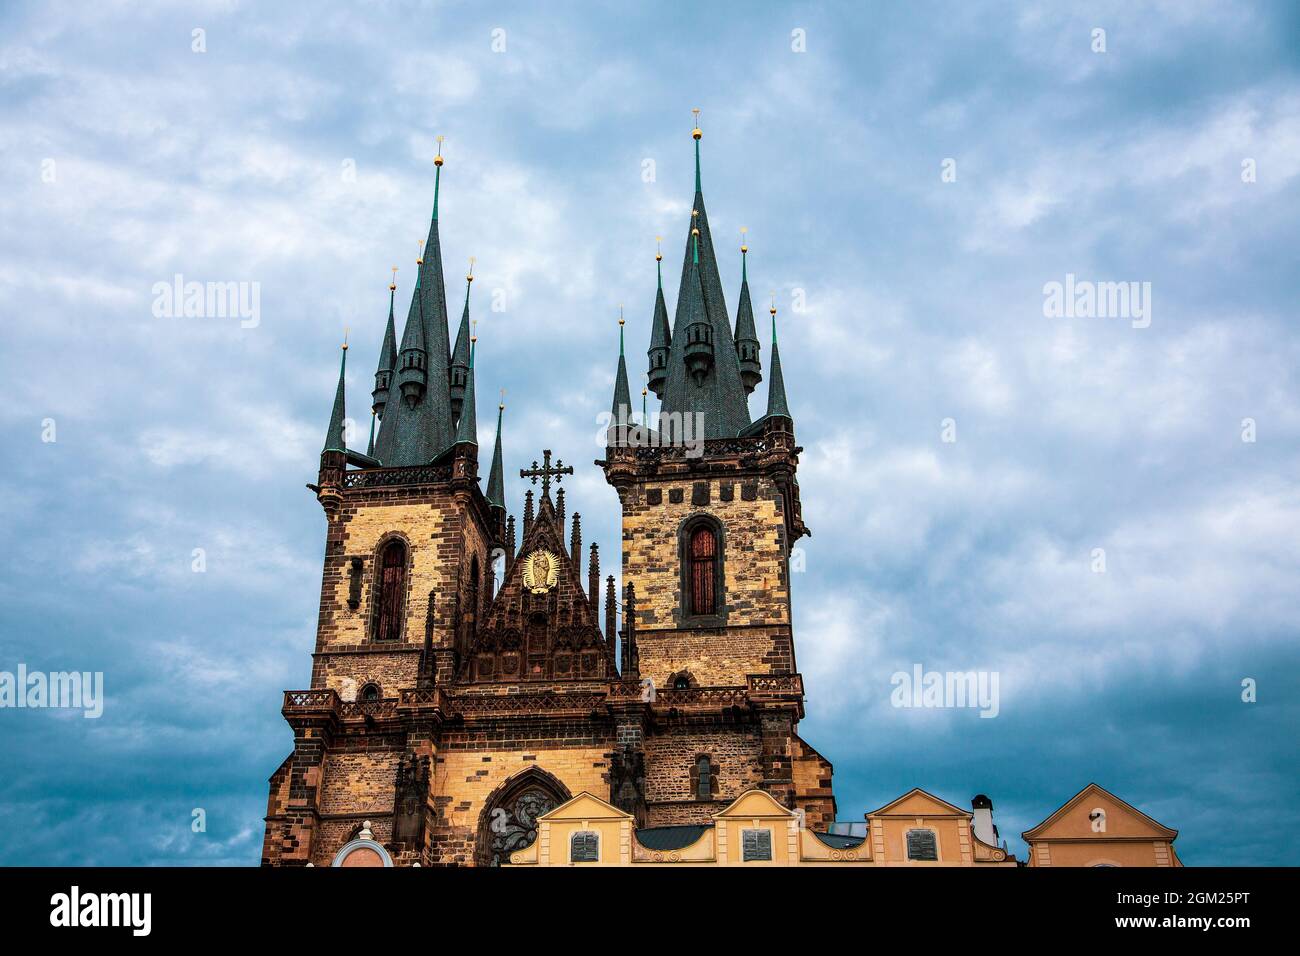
column 449, row 710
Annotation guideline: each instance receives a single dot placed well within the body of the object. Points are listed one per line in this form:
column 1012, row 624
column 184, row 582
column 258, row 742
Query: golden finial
column 393, row 284
column 696, row 132
column 695, row 230
column 501, row 406
column 470, row 277
column 773, row 309
column 620, row 315
column 659, row 253
column 473, row 331
column 419, row 257
column 437, row 160
column 345, row 338
column 743, row 248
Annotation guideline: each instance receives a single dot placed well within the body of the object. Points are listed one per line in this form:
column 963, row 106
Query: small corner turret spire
column 746, row 334
column 460, row 357
column 776, row 403
column 387, row 362
column 661, row 334
column 467, row 425
column 496, row 494
column 412, row 374
column 621, row 410
column 334, row 437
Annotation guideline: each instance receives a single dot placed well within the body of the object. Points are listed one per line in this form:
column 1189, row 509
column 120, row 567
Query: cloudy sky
column 911, row 175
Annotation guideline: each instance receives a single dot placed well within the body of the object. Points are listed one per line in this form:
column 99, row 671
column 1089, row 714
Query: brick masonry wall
column 756, row 637
column 715, row 656
column 464, row 780
column 359, row 782
column 671, row 754
column 443, row 536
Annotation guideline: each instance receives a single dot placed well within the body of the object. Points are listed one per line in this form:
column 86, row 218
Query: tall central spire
column 421, row 427
column 712, row 386
column 697, row 134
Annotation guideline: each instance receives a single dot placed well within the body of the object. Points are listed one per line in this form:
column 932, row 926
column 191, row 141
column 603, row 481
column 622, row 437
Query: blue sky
column 126, row 158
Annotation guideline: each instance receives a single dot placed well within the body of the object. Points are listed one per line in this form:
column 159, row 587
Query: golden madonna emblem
column 541, row 571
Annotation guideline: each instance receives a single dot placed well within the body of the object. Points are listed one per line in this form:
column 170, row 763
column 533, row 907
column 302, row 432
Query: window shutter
column 704, row 553
column 584, row 847
column 392, row 590
column 757, row 845
column 921, row 845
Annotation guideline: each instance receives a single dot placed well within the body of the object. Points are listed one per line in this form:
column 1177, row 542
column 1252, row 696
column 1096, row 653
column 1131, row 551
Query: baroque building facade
column 548, row 718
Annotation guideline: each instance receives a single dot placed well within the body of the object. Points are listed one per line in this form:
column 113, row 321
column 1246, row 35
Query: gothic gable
column 541, row 624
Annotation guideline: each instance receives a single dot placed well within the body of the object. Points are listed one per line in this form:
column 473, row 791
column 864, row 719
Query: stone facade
column 517, row 699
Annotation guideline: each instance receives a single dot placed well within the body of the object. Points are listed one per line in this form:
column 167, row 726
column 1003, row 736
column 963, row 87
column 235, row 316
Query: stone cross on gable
column 546, row 471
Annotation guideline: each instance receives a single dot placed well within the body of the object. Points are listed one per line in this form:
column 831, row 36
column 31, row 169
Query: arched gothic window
column 702, row 575
column 704, row 558
column 391, row 591
column 370, row 692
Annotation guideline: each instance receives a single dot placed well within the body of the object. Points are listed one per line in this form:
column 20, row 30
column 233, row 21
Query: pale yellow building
column 1097, row 828
column 917, row 829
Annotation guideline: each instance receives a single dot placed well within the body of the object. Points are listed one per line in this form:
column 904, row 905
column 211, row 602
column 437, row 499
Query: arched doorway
column 509, row 818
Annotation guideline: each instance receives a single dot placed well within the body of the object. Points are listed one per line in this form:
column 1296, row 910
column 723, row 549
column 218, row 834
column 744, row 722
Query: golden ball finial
column 743, row 247
column 659, row 253
column 695, row 231
column 696, row 133
column 437, row 160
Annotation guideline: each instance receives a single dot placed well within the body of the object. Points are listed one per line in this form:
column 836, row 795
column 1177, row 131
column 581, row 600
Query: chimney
column 982, row 824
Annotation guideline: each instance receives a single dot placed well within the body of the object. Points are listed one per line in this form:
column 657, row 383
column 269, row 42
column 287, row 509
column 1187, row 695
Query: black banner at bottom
column 331, row 905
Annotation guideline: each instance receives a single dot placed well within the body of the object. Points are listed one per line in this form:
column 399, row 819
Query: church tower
column 710, row 513
column 449, row 709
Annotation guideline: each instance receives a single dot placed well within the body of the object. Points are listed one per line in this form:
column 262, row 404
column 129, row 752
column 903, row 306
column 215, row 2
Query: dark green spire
column 746, row 334
column 776, row 404
column 621, row 410
column 496, row 494
column 714, row 388
column 660, row 336
column 437, row 178
column 421, row 426
column 460, row 355
column 334, row 439
column 387, row 357
column 436, row 419
column 697, row 136
column 467, row 427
